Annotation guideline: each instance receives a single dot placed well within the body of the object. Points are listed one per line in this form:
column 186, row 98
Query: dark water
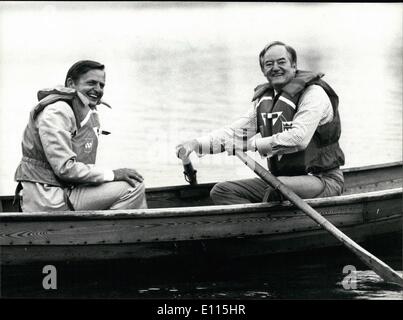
column 312, row 275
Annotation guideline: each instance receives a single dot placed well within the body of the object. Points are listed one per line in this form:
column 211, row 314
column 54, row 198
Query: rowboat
column 182, row 220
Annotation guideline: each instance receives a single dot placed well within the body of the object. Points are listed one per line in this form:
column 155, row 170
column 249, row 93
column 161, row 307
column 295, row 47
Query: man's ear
column 70, row 83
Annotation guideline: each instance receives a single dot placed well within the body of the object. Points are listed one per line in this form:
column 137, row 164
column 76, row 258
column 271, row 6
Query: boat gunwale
column 373, row 166
column 210, row 184
column 199, row 210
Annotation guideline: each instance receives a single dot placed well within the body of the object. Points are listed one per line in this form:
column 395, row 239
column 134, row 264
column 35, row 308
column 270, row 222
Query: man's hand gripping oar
column 189, row 172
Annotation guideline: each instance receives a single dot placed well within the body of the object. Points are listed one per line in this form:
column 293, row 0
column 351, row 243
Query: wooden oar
column 379, row 267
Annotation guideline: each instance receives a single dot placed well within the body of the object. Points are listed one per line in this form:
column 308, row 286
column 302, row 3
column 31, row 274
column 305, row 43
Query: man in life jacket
column 59, row 148
column 296, row 115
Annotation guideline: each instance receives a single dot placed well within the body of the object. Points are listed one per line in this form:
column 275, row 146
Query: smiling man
column 296, row 115
column 59, row 147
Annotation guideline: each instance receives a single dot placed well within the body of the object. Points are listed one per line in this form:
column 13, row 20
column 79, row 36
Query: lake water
column 176, row 71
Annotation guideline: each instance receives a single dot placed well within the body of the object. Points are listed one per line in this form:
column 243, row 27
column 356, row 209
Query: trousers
column 107, row 196
column 325, row 184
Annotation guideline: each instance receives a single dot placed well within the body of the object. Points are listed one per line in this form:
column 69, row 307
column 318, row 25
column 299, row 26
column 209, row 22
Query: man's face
column 91, row 84
column 277, row 67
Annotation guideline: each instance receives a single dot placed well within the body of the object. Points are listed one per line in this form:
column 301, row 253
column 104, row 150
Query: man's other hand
column 128, row 175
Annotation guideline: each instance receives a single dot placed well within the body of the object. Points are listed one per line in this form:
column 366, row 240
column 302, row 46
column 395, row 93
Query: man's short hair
column 291, row 51
column 81, row 67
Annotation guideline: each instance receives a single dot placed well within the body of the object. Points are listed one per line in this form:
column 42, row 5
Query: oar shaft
column 381, row 268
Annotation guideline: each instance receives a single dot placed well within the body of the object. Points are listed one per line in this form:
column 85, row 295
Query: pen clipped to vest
column 189, row 172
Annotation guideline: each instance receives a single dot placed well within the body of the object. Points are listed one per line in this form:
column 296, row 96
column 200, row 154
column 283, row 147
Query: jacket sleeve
column 56, row 123
column 230, row 136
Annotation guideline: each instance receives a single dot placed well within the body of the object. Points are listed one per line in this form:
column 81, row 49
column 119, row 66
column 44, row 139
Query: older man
column 296, row 114
column 59, row 147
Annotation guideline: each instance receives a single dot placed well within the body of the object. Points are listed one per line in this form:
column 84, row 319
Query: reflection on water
column 176, row 72
column 370, row 286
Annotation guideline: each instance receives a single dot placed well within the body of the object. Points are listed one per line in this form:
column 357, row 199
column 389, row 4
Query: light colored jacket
column 60, row 142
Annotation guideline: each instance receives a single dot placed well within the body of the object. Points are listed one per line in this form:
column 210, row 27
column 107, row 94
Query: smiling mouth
column 93, row 96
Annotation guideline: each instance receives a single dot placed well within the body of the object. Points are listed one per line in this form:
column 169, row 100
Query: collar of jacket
column 296, row 85
column 77, row 100
column 67, row 92
column 62, row 91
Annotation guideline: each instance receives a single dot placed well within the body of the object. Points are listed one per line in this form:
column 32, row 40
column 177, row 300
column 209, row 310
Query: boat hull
column 237, row 230
column 224, row 248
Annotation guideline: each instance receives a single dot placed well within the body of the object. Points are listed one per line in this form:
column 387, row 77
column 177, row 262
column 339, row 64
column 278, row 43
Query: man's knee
column 125, row 187
column 216, row 189
column 138, row 197
column 132, row 198
column 141, row 187
column 138, row 190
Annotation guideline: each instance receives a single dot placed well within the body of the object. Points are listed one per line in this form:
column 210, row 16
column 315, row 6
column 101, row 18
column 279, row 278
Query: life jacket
column 34, row 166
column 323, row 151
